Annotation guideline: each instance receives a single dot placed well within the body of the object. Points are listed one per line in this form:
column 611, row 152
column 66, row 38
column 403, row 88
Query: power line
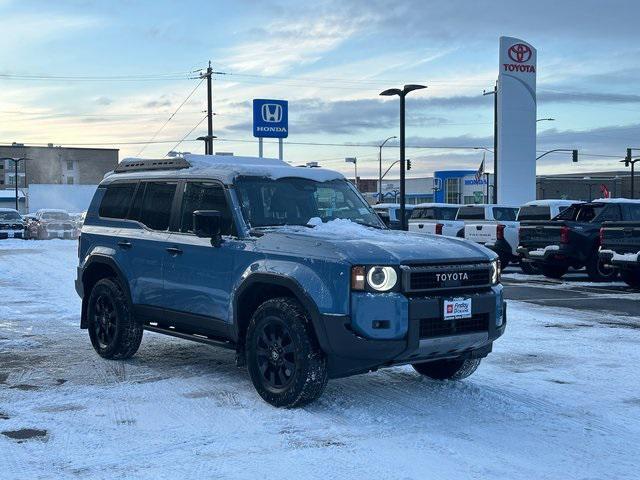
column 171, row 116
column 189, row 133
column 98, row 78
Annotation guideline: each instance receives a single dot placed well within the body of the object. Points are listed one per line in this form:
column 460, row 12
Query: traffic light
column 627, row 159
column 574, row 154
column 408, row 164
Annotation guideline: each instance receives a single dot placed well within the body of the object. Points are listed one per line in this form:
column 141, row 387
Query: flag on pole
column 480, row 171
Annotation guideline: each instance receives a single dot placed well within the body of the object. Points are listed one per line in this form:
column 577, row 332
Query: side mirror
column 207, row 224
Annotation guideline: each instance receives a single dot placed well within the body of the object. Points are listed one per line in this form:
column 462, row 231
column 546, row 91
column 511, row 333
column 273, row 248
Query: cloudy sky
column 113, row 72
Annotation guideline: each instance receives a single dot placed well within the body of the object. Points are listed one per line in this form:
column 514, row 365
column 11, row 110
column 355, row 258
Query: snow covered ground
column 558, row 398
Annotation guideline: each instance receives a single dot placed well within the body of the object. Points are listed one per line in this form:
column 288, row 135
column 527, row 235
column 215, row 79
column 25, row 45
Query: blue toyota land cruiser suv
column 288, row 266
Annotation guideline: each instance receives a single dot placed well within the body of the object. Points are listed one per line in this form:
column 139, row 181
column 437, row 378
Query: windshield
column 55, row 216
column 295, row 201
column 9, row 216
column 471, row 213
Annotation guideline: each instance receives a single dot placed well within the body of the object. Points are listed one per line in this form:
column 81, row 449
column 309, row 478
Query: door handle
column 174, row 251
column 125, row 245
column 420, row 225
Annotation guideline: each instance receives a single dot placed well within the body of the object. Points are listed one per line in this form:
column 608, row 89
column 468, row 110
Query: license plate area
column 456, row 308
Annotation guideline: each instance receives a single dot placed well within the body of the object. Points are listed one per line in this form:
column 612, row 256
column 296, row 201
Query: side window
column 156, row 204
column 205, row 196
column 610, row 213
column 116, row 200
column 633, row 212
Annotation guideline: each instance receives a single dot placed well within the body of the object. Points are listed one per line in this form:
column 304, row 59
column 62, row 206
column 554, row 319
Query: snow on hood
column 356, row 243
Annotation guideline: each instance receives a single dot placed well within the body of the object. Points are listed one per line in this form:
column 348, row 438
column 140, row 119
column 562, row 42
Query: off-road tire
column 631, row 278
column 529, row 268
column 596, row 270
column 455, row 369
column 553, row 271
column 309, row 377
column 126, row 333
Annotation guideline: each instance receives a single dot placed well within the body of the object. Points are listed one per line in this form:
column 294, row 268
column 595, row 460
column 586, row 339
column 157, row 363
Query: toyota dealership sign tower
column 516, row 162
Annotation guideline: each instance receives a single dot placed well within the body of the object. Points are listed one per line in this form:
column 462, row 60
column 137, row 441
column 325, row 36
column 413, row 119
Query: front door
column 198, row 276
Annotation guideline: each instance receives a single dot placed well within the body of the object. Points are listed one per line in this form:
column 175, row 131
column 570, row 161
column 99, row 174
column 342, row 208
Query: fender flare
column 294, row 286
column 98, row 258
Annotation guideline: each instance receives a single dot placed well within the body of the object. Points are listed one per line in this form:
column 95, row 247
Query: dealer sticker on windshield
column 456, row 308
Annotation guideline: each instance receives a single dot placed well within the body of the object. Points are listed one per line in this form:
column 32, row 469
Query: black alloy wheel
column 276, row 354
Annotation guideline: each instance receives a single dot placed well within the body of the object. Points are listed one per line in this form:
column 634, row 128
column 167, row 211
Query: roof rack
column 140, row 165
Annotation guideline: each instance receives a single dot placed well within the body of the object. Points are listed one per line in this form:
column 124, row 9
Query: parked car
column 540, row 210
column 390, row 214
column 78, row 218
column 51, row 223
column 493, row 226
column 249, row 256
column 620, row 244
column 11, row 224
column 436, row 218
column 572, row 239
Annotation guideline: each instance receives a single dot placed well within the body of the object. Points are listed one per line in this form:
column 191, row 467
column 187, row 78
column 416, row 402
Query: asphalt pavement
column 575, row 291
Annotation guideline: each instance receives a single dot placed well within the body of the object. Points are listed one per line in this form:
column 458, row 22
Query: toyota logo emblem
column 519, row 52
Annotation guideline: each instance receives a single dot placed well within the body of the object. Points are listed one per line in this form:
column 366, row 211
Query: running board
column 191, row 336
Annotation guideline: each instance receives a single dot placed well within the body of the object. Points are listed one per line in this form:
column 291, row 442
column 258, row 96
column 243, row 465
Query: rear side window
column 471, row 213
column 587, row 213
column 632, row 212
column 446, row 213
column 505, row 214
column 610, row 213
column 152, row 207
column 116, row 200
column 204, row 196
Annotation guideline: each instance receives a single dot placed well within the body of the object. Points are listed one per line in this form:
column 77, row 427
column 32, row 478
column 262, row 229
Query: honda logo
column 271, row 113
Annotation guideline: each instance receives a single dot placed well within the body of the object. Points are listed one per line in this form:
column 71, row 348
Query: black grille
column 436, row 327
column 9, row 226
column 454, row 277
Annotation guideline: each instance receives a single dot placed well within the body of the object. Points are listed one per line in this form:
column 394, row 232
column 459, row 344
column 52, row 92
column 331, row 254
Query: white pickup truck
column 436, row 218
column 493, row 226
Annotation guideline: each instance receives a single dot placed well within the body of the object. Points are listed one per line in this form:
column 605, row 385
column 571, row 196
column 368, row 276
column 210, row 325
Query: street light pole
column 402, row 94
column 354, row 160
column 380, row 168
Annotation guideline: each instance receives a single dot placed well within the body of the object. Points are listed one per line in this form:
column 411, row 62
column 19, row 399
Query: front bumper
column 351, row 351
column 4, row 234
column 625, row 260
column 62, row 234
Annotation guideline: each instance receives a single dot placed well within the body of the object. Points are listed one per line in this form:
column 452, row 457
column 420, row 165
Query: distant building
column 586, row 186
column 50, row 168
column 55, row 165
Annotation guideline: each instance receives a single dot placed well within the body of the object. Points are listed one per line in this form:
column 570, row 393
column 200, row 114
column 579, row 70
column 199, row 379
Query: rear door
column 198, row 276
column 142, row 241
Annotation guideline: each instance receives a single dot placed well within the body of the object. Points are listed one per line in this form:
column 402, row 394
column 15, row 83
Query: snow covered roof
column 13, row 210
column 392, row 205
column 485, row 205
column 10, row 193
column 550, row 201
column 226, row 168
column 432, row 204
column 614, row 200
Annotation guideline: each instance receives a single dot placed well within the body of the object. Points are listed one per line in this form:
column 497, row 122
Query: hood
column 356, row 244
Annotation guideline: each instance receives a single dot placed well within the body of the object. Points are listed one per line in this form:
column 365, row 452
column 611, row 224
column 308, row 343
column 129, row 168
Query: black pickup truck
column 572, row 239
column 620, row 245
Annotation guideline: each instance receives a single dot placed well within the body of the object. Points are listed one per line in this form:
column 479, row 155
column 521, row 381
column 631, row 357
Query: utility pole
column 208, row 144
column 495, row 139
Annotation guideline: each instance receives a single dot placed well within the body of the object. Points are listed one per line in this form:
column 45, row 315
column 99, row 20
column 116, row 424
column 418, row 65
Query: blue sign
column 270, row 118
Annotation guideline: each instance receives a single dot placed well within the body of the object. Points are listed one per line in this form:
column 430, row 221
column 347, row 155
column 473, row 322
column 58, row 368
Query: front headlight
column 378, row 278
column 382, row 279
column 495, row 272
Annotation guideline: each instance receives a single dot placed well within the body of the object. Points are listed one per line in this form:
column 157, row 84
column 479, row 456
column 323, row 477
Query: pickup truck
column 540, row 210
column 572, row 239
column 493, row 226
column 389, row 213
column 436, row 218
column 620, row 245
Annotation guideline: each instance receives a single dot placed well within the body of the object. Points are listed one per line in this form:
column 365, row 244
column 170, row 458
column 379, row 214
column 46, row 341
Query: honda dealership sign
column 516, row 169
column 270, row 118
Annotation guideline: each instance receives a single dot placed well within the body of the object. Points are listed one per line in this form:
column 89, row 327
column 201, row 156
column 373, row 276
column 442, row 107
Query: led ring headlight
column 382, row 279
